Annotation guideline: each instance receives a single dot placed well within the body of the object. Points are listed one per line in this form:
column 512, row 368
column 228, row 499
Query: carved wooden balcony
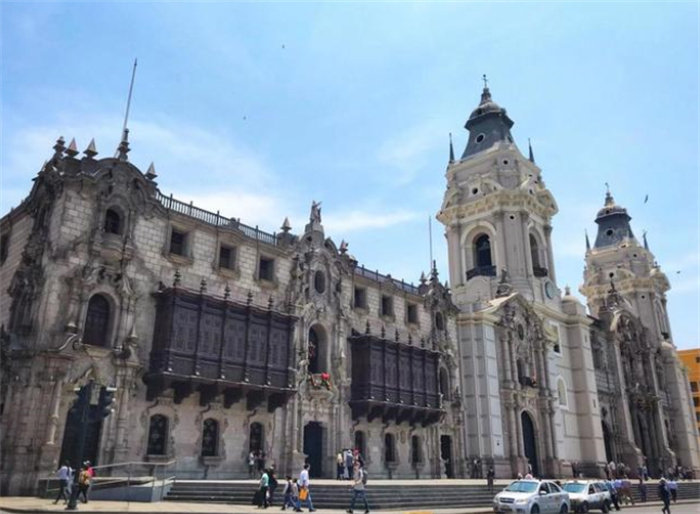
column 220, row 347
column 394, row 381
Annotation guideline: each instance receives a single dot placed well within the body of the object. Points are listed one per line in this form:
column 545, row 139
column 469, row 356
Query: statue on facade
column 315, row 212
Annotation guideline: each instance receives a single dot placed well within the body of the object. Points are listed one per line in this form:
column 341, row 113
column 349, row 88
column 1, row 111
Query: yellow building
column 691, row 360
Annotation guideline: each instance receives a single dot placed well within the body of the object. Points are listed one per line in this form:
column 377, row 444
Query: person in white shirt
column 304, row 486
column 64, row 475
column 358, row 488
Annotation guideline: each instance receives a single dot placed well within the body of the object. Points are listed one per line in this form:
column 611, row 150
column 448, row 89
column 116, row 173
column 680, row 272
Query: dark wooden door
column 530, row 443
column 313, row 448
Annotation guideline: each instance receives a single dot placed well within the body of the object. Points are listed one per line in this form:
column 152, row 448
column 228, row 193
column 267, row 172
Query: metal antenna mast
column 128, row 101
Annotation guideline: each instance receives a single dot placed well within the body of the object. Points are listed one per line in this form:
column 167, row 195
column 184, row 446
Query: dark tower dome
column 488, row 125
column 613, row 224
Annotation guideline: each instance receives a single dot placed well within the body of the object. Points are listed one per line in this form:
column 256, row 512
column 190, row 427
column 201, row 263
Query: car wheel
column 564, row 508
column 606, row 507
column 584, row 507
column 535, row 509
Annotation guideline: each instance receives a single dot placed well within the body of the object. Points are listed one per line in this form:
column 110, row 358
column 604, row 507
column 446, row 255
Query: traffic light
column 106, row 401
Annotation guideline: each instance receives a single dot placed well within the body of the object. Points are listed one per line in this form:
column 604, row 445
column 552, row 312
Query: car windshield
column 522, row 487
column 574, row 488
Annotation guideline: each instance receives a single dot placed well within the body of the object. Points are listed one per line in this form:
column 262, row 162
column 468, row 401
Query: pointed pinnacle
column 91, row 150
column 286, row 226
column 532, row 155
column 452, row 151
column 72, row 150
column 151, row 172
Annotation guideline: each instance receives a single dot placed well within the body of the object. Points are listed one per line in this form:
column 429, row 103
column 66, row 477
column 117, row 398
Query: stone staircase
column 403, row 495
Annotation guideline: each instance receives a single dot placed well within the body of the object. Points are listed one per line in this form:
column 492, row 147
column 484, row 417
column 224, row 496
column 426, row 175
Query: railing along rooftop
column 378, row 277
column 214, row 218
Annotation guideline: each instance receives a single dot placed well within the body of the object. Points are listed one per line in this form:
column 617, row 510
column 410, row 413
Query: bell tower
column 497, row 212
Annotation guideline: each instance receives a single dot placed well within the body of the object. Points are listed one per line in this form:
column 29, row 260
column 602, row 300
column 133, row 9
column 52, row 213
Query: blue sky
column 256, row 109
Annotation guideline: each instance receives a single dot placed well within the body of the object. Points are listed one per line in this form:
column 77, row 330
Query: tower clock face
column 550, row 290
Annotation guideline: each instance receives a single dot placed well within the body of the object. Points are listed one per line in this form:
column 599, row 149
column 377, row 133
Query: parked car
column 532, row 497
column 587, row 494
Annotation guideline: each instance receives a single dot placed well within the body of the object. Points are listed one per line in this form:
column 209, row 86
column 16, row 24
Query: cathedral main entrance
column 530, row 442
column 71, row 436
column 313, row 448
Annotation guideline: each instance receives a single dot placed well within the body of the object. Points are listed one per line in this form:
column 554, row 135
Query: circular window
column 511, row 217
column 506, row 162
column 521, row 332
column 475, row 190
column 609, row 232
column 439, row 321
column 634, row 255
column 480, row 138
column 319, row 281
column 611, row 274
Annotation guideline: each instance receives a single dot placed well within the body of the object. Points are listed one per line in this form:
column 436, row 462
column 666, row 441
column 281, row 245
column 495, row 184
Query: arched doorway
column 313, row 448
column 607, row 439
column 71, row 435
column 446, row 454
column 530, row 442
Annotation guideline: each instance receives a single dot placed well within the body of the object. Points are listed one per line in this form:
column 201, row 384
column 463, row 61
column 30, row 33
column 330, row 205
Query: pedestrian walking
column 64, row 474
column 263, row 491
column 642, row 487
column 664, row 496
column 358, row 487
column 613, row 494
column 251, row 464
column 340, row 464
column 273, row 484
column 673, row 488
column 490, row 475
column 305, row 488
column 291, row 494
column 349, row 459
column 84, row 479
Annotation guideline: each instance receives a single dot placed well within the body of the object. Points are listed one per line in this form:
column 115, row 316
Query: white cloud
column 409, row 151
column 360, row 220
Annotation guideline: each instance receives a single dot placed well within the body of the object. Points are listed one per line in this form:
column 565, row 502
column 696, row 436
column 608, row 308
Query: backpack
column 365, row 476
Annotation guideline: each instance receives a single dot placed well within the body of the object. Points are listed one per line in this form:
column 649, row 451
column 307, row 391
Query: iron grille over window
column 256, row 437
column 482, row 252
column 210, row 438
column 267, row 269
column 416, row 456
column 387, row 306
column 360, row 298
column 389, row 448
column 226, row 257
column 157, row 435
column 97, row 321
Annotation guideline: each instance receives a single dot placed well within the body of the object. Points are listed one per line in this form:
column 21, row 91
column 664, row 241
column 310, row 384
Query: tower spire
column 588, row 243
column 644, row 236
column 123, row 148
column 452, row 152
column 532, row 155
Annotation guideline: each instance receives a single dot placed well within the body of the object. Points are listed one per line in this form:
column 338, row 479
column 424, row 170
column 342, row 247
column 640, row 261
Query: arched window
column 320, row 282
column 97, row 321
column 534, row 252
column 416, row 452
column 210, row 438
column 257, row 438
column 361, row 443
column 113, row 222
column 444, row 384
column 561, row 392
column 317, row 353
column 482, row 252
column 158, row 435
column 439, row 321
column 389, row 448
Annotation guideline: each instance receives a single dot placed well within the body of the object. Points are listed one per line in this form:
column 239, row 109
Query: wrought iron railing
column 481, row 271
column 214, row 218
column 378, row 277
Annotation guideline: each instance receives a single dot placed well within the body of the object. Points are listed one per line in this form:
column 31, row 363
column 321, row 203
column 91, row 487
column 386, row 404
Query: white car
column 586, row 495
column 532, row 497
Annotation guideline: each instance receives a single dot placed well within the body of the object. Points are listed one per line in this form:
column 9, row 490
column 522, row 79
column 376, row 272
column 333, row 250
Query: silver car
column 532, row 497
column 586, row 495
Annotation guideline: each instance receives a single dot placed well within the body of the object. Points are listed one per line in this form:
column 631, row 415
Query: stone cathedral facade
column 222, row 339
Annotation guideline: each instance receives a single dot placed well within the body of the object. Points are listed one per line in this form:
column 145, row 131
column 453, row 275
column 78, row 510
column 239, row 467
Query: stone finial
column 177, row 278
column 343, row 247
column 270, row 303
column 59, row 147
column 72, row 150
column 367, row 328
column 286, row 226
column 249, row 299
column 227, row 292
column 423, row 279
column 151, row 172
column 203, row 286
column 383, row 332
column 410, row 339
column 396, row 335
column 91, row 150
column 567, row 290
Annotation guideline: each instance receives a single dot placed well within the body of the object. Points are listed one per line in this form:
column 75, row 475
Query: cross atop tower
column 486, row 81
